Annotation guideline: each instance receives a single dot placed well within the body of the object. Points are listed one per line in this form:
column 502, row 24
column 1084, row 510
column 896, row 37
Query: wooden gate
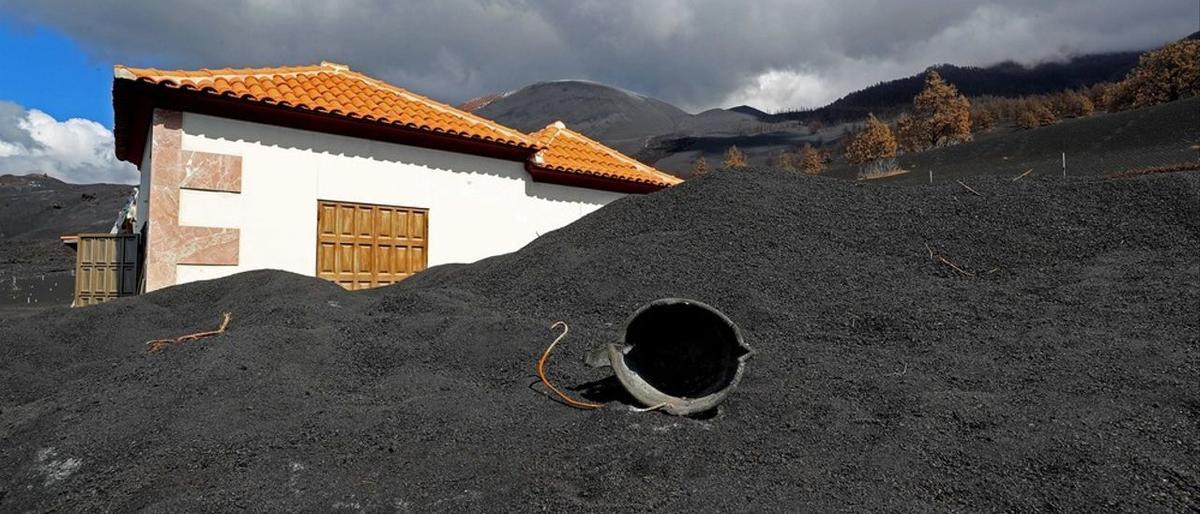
column 361, row 246
column 106, row 267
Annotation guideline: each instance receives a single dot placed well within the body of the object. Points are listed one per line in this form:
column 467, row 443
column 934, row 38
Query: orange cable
column 541, row 372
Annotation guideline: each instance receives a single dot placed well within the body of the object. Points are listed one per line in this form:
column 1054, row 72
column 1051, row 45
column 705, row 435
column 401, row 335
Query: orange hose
column 541, row 372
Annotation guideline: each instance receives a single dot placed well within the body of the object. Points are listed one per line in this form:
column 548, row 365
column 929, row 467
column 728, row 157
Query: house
column 324, row 171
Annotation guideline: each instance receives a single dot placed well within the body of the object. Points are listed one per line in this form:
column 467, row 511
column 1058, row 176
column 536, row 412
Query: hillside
column 613, row 116
column 616, row 117
column 1057, row 371
column 1007, row 79
column 36, row 268
column 1160, row 135
column 42, row 207
column 659, row 133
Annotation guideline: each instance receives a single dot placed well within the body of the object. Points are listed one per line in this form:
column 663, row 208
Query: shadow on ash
column 680, row 356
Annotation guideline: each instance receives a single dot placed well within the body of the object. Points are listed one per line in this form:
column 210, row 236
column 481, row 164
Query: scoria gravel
column 1057, row 371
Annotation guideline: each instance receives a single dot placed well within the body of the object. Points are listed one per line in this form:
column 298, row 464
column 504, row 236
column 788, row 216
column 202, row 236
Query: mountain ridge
column 646, row 127
column 1004, row 79
column 620, row 118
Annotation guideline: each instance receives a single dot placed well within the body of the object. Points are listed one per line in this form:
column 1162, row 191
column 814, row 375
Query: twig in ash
column 947, row 262
column 968, row 188
column 158, row 344
column 1019, row 177
column 954, row 266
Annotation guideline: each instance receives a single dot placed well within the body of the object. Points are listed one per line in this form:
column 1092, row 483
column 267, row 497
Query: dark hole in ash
column 683, row 349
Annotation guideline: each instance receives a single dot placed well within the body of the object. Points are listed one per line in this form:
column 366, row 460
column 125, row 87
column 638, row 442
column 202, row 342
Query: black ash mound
column 1056, row 371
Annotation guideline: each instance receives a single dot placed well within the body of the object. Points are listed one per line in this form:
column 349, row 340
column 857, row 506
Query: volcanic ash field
column 1055, row 369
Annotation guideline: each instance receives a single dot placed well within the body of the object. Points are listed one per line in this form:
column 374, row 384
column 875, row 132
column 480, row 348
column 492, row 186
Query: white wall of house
column 478, row 206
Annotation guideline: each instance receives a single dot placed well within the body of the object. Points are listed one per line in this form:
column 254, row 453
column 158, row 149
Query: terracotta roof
column 335, row 89
column 568, row 151
column 554, row 154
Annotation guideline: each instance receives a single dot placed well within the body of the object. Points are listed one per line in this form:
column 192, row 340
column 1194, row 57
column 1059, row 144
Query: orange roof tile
column 568, row 151
column 335, row 89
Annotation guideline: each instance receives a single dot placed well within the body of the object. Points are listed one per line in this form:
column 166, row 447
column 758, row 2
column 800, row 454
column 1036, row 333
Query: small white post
column 1064, row 164
column 931, row 176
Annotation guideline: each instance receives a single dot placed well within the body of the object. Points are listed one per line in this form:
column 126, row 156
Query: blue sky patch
column 56, row 75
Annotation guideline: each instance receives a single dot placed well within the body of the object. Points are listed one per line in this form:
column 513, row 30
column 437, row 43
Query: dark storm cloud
column 11, row 133
column 773, row 53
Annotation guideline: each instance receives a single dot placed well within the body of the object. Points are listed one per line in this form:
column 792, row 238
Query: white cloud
column 776, row 90
column 75, row 150
column 9, row 149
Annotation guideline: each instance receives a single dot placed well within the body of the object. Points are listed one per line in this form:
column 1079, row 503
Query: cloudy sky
column 772, row 54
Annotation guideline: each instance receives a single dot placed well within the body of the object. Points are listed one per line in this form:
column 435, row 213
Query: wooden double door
column 362, row 245
column 106, row 267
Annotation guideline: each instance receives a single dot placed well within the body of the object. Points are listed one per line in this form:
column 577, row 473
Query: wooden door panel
column 327, row 220
column 417, row 259
column 105, row 267
column 383, row 226
column 361, row 246
column 344, row 265
column 363, row 224
column 326, row 257
column 400, row 260
column 417, row 226
column 345, row 220
column 401, row 224
column 383, row 261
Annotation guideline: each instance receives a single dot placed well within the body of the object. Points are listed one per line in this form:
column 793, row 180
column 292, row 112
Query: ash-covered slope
column 1059, row 374
column 598, row 110
column 36, row 269
column 1159, row 135
column 42, row 207
column 1005, row 79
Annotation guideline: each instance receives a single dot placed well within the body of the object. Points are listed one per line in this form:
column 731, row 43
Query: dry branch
column 954, row 266
column 1019, row 177
column 875, row 175
column 158, row 344
column 968, row 188
column 939, row 258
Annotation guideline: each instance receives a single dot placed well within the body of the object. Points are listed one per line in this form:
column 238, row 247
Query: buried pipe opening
column 683, row 349
column 679, row 355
